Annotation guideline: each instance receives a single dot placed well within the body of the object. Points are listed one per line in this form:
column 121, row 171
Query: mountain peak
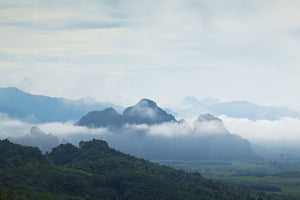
column 10, row 91
column 106, row 117
column 209, row 124
column 144, row 112
column 145, row 108
column 208, row 117
column 147, row 111
column 146, row 103
column 36, row 131
column 110, row 110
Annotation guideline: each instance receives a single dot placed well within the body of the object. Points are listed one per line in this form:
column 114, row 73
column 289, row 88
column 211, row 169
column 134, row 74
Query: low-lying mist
column 160, row 136
column 284, row 132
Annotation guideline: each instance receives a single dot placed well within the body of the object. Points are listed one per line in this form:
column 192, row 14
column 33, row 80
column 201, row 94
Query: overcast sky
column 121, row 51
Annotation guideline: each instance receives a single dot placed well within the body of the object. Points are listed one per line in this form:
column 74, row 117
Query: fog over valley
column 147, row 100
column 282, row 130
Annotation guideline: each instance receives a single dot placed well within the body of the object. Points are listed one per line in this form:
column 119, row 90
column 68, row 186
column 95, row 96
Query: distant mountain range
column 39, row 109
column 237, row 109
column 207, row 139
column 144, row 112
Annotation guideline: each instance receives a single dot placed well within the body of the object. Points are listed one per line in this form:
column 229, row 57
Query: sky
column 124, row 50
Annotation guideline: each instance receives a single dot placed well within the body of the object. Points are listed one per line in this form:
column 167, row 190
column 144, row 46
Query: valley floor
column 277, row 177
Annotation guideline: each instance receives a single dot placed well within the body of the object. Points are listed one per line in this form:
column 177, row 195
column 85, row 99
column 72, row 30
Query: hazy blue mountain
column 207, row 139
column 108, row 117
column 208, row 118
column 209, row 124
column 144, row 112
column 192, row 147
column 238, row 109
column 38, row 108
column 244, row 109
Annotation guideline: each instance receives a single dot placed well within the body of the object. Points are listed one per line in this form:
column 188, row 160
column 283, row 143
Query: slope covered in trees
column 95, row 171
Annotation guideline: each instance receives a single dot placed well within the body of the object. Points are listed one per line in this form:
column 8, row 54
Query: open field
column 279, row 177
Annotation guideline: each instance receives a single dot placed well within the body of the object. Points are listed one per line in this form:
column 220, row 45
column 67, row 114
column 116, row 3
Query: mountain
column 108, row 117
column 209, row 124
column 207, row 139
column 39, row 109
column 205, row 147
column 37, row 138
column 237, row 109
column 144, row 112
column 95, row 171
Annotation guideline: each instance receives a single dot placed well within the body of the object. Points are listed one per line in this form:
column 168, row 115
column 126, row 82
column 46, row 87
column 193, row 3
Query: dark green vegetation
column 95, row 171
column 269, row 176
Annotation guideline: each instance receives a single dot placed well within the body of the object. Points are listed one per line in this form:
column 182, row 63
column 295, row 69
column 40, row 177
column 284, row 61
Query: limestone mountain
column 144, row 112
column 105, row 118
column 209, row 124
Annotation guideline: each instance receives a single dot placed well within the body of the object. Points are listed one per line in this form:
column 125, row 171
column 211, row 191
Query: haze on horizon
column 122, row 51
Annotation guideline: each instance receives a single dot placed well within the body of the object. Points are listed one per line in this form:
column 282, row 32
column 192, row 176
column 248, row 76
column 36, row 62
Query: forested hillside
column 95, row 171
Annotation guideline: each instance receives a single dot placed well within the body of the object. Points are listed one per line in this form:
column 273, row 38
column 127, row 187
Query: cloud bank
column 37, row 138
column 285, row 130
column 159, row 142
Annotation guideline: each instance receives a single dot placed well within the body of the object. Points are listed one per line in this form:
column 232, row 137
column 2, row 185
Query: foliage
column 95, row 171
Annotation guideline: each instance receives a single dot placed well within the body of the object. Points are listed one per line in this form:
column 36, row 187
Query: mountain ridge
column 237, row 109
column 207, row 139
column 40, row 109
column 144, row 112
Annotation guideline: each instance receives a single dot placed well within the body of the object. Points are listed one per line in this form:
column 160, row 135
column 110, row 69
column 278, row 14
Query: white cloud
column 285, row 131
column 68, row 129
column 209, row 127
column 15, row 128
column 165, row 49
column 168, row 129
column 278, row 131
column 10, row 127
